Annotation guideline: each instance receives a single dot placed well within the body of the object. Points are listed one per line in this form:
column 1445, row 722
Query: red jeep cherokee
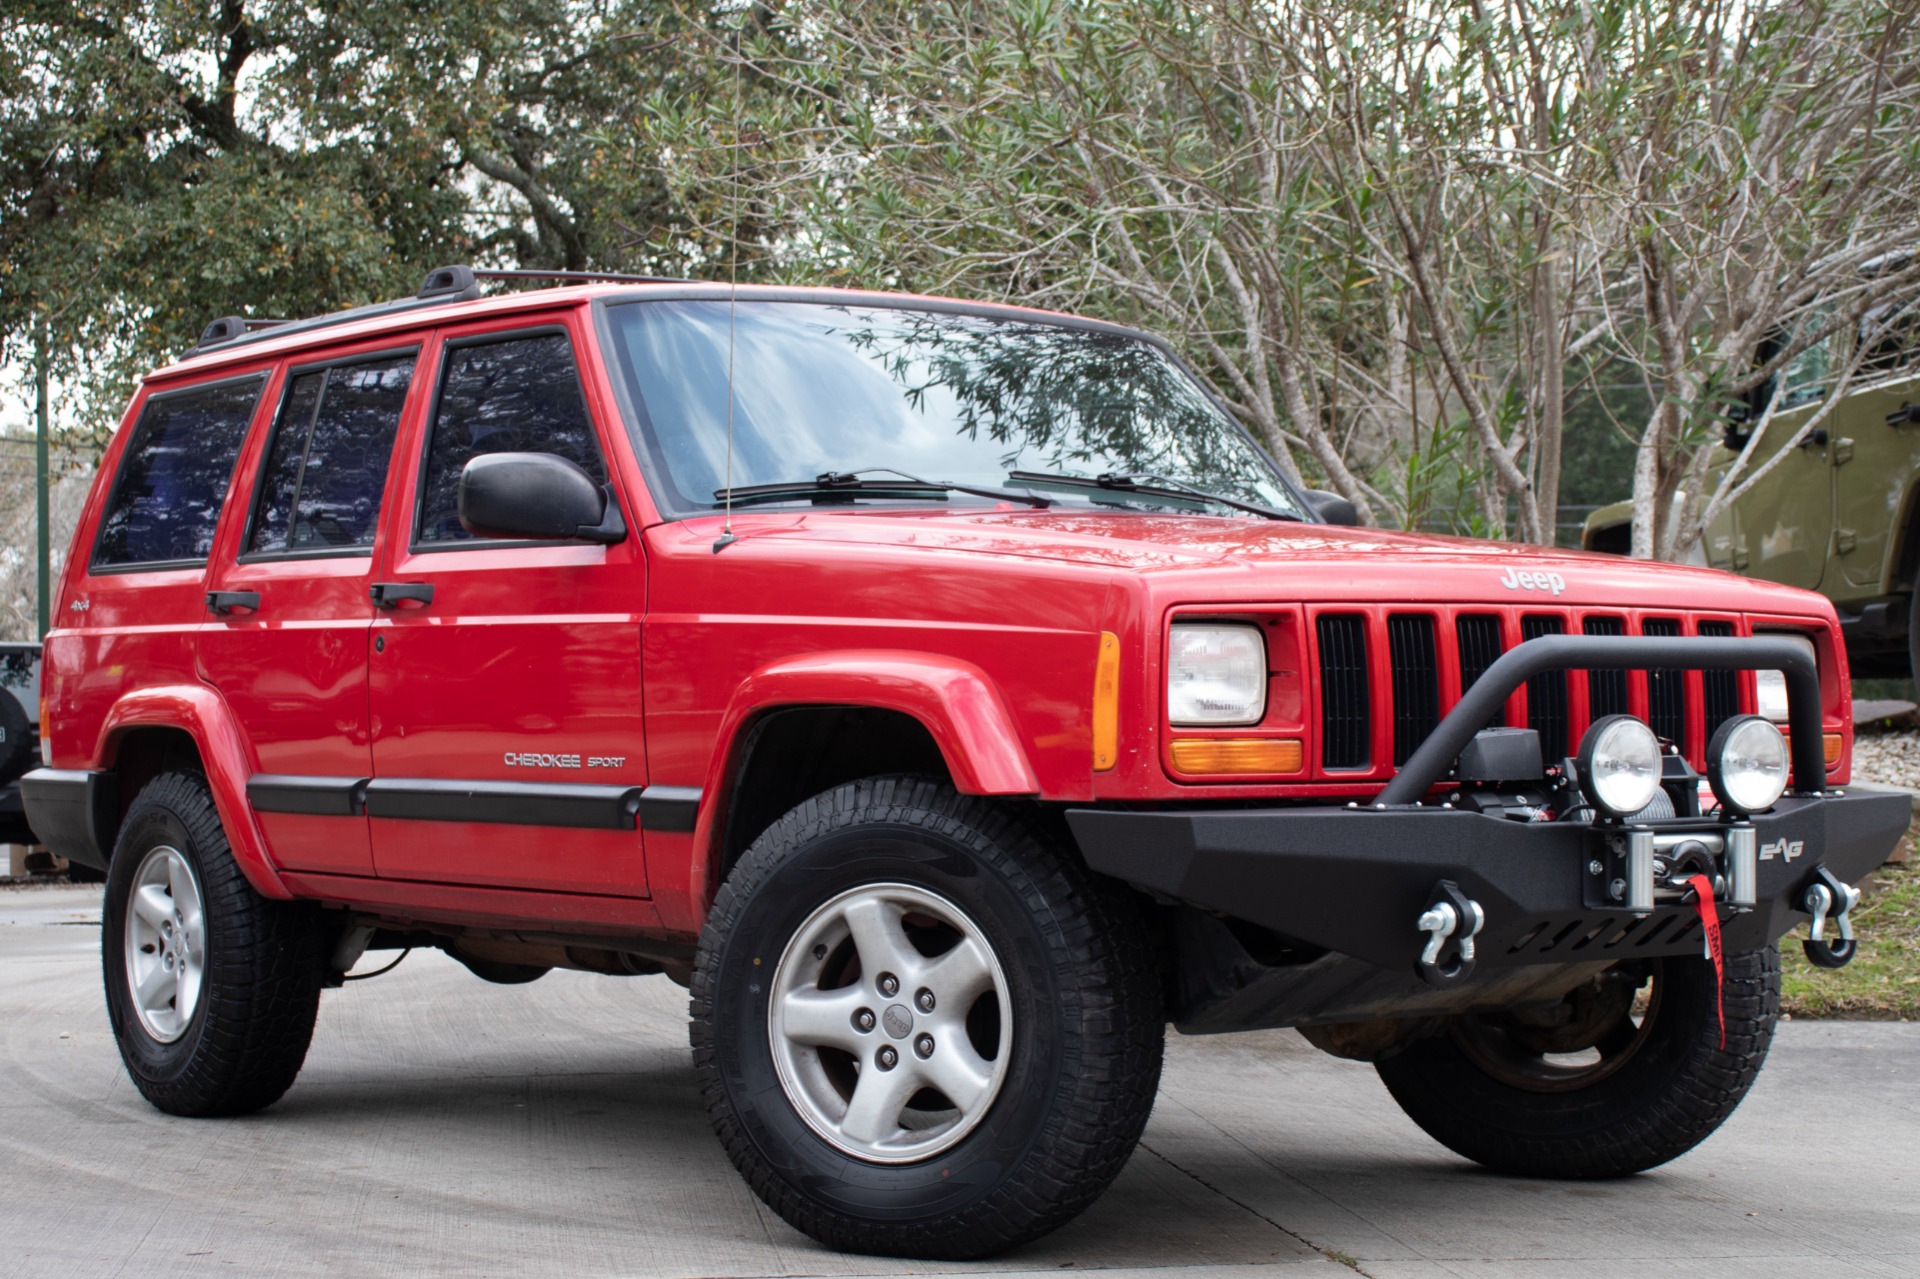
column 951, row 695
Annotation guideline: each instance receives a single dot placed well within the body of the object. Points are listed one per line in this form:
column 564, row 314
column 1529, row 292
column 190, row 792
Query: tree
column 163, row 166
column 1401, row 240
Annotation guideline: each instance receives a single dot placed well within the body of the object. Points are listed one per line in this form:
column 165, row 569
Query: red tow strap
column 1710, row 925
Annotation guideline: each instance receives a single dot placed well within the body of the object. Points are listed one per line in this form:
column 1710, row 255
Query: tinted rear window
column 166, row 500
column 321, row 489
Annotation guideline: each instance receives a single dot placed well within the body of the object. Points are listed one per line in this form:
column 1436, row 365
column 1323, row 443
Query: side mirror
column 536, row 495
column 1332, row 508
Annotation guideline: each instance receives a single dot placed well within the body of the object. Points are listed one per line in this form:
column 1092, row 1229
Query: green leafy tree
column 161, row 165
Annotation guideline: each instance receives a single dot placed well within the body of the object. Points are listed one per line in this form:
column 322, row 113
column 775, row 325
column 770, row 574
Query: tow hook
column 1819, row 900
column 1454, row 917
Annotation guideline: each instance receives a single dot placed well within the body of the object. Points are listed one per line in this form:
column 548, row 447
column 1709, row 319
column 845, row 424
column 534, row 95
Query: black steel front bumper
column 1356, row 881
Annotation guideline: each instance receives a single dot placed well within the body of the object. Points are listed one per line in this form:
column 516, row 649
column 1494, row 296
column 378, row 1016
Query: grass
column 1883, row 981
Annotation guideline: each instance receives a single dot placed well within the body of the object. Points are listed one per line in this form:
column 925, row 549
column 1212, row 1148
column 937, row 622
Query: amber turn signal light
column 1106, row 704
column 1831, row 745
column 1204, row 755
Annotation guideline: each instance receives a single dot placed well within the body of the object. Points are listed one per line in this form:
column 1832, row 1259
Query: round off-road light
column 1747, row 764
column 1619, row 764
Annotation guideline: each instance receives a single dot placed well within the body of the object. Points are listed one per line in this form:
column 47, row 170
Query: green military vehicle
column 1841, row 513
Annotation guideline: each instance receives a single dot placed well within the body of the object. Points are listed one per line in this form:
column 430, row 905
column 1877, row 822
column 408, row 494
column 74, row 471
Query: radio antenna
column 727, row 538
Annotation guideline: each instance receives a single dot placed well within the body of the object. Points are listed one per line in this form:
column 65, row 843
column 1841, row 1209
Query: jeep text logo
column 1514, row 580
column 1788, row 849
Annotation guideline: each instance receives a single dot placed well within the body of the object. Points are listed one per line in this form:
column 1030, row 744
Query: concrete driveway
column 445, row 1127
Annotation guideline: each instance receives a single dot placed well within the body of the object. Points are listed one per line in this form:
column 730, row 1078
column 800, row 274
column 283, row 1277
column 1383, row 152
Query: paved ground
column 444, row 1127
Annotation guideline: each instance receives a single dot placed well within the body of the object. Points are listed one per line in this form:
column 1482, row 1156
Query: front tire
column 212, row 990
column 1616, row 1085
column 923, row 1028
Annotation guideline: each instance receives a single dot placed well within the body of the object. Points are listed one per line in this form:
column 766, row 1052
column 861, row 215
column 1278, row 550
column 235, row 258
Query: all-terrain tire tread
column 1114, row 1043
column 265, row 971
column 1696, row 1100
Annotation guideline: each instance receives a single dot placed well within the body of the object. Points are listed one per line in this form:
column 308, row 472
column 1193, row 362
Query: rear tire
column 1494, row 1089
column 212, row 990
column 982, row 1087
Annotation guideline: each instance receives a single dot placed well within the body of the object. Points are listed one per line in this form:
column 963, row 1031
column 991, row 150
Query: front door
column 505, row 676
column 289, row 614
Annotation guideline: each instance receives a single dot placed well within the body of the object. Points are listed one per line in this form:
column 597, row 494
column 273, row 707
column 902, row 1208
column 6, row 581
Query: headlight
column 1747, row 764
column 1770, row 687
column 1619, row 765
column 1216, row 674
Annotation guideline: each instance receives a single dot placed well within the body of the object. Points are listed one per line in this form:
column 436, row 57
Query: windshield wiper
column 850, row 484
column 1149, row 486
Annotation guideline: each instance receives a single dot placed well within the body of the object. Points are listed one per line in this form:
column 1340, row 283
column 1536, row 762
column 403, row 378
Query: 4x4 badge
column 1789, row 849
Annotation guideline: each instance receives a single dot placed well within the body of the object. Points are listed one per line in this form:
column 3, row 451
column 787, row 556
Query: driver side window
column 519, row 394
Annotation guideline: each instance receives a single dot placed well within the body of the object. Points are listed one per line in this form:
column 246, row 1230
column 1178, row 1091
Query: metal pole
column 42, row 358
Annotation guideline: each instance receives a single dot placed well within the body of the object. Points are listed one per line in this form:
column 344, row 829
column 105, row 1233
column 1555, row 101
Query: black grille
column 1346, row 713
column 1416, row 682
column 1666, row 690
column 1547, row 691
column 1719, row 690
column 1479, row 646
column 1606, row 690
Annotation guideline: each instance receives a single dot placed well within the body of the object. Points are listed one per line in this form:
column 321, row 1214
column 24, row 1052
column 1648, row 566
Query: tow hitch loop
column 1820, row 899
column 1454, row 917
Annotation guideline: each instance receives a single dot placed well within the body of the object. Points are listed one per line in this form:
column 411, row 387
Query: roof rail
column 455, row 283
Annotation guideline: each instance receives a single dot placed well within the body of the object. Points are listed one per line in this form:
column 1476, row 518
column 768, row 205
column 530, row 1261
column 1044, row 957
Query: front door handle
column 229, row 603
column 401, row 594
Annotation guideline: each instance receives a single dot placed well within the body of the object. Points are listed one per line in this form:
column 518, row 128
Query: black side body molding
column 316, row 796
column 425, row 799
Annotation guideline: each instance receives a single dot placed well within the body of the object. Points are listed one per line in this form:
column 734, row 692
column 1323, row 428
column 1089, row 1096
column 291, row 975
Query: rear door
column 288, row 607
column 505, row 676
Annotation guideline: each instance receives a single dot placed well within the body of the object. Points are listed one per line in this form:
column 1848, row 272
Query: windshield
column 966, row 399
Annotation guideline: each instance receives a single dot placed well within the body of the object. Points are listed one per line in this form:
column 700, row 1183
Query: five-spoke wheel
column 211, row 988
column 888, row 1024
column 923, row 1028
column 166, row 943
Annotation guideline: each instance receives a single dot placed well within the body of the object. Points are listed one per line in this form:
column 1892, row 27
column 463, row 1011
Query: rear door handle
column 229, row 603
column 401, row 594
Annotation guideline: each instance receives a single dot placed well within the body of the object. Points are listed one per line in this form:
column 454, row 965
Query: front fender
column 203, row 714
column 955, row 700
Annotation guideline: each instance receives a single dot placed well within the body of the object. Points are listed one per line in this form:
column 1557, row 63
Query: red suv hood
column 1232, row 556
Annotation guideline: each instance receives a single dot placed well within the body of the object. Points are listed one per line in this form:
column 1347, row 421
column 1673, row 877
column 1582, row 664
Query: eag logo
column 1514, row 580
column 1782, row 848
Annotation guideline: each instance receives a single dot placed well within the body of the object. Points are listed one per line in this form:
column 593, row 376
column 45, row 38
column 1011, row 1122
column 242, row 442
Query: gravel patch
column 1890, row 759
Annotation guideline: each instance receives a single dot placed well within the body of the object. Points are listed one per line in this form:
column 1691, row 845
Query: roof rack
column 443, row 284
